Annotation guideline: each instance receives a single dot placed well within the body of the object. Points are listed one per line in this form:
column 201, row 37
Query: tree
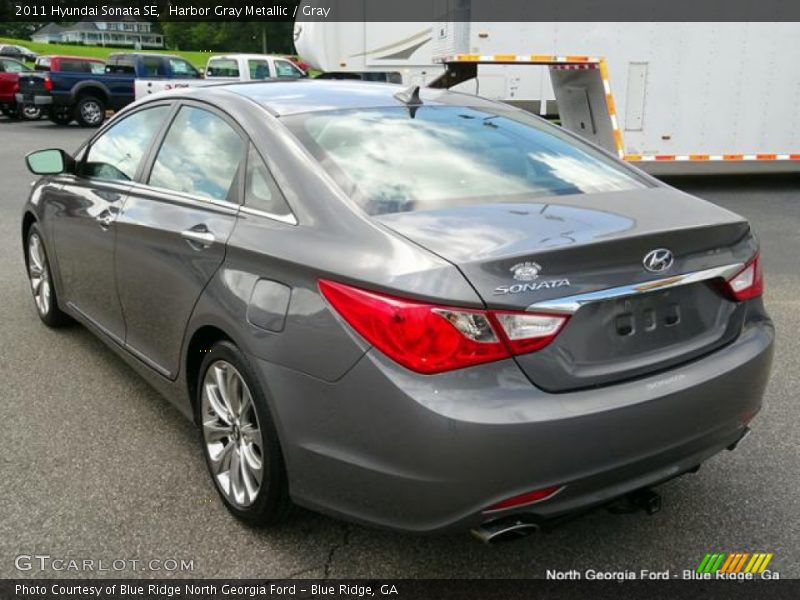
column 229, row 36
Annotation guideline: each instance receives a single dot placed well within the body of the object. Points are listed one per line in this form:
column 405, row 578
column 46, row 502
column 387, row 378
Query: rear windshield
column 398, row 159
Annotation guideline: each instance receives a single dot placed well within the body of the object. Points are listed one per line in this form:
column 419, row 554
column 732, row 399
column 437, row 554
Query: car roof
column 68, row 57
column 245, row 56
column 157, row 54
column 287, row 97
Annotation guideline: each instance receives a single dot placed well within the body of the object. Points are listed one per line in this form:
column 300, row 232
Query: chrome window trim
column 571, row 304
column 181, row 197
column 289, row 219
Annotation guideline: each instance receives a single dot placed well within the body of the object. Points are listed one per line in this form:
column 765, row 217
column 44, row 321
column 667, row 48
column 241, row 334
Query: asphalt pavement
column 95, row 465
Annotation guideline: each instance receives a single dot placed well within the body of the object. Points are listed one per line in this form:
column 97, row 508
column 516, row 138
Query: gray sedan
column 423, row 311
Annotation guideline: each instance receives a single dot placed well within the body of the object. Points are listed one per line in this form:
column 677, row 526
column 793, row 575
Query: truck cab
column 228, row 68
column 251, row 67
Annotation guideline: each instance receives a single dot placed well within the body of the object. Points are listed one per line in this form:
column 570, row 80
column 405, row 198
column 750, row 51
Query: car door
column 85, row 211
column 283, row 68
column 6, row 83
column 258, row 69
column 9, row 76
column 172, row 232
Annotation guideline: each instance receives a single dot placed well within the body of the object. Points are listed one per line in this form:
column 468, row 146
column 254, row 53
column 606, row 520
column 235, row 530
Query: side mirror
column 49, row 162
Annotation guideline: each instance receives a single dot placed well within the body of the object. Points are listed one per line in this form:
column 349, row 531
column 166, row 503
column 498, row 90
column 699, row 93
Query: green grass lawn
column 198, row 59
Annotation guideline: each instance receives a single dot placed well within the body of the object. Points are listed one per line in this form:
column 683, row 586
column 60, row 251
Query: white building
column 122, row 32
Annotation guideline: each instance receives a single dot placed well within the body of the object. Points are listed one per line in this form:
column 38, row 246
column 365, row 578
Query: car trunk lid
column 519, row 256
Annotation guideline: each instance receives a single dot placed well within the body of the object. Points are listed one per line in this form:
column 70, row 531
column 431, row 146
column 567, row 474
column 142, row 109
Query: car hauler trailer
column 688, row 97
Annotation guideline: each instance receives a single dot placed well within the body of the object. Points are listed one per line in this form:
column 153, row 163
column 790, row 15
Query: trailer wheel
column 90, row 111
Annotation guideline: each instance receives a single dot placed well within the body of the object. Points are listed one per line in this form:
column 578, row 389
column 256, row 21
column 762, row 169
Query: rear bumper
column 429, row 453
column 36, row 100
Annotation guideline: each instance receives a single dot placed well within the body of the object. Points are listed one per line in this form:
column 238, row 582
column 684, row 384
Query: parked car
column 86, row 96
column 10, row 70
column 412, row 308
column 18, row 52
column 72, row 64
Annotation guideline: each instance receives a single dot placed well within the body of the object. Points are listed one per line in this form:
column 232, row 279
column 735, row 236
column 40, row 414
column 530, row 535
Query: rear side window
column 116, row 154
column 153, row 67
column 261, row 191
column 222, row 67
column 201, row 155
column 259, row 69
column 433, row 157
column 121, row 66
column 43, row 64
column 75, row 66
column 10, row 66
column 182, row 69
column 283, row 68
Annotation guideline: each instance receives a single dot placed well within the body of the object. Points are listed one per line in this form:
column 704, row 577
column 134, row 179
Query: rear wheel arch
column 27, row 222
column 96, row 91
column 202, row 340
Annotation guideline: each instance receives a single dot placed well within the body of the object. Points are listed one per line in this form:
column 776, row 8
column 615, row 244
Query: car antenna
column 410, row 97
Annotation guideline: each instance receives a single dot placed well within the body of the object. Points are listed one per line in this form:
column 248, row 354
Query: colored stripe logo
column 735, row 562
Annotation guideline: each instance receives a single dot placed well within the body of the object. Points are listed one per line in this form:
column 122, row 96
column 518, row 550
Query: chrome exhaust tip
column 505, row 529
column 745, row 434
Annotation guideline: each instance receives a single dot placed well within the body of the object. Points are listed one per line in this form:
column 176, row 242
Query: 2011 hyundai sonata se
column 421, row 312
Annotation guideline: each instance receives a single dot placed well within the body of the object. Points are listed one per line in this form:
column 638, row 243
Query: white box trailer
column 689, row 97
column 686, row 97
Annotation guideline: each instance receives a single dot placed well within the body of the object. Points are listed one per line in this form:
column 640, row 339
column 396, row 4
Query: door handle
column 199, row 239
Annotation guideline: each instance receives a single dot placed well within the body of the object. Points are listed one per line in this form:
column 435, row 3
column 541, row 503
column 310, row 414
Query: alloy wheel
column 232, row 434
column 39, row 275
column 91, row 112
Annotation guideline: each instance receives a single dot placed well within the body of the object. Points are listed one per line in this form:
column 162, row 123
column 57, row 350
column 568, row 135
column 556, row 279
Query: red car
column 9, row 86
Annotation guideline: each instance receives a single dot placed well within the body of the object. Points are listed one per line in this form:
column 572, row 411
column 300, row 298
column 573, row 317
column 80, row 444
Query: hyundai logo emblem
column 658, row 260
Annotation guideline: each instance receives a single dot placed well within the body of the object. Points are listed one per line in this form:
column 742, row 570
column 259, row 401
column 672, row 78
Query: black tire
column 52, row 315
column 61, row 115
column 7, row 112
column 271, row 504
column 28, row 112
column 90, row 111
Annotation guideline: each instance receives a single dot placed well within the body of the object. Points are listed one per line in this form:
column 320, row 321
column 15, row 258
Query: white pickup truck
column 224, row 68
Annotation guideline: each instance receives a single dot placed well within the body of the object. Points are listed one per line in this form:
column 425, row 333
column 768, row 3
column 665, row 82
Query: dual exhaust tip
column 514, row 527
column 506, row 529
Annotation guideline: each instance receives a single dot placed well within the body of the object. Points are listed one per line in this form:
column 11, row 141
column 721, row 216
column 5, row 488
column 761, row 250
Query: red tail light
column 526, row 498
column 429, row 338
column 747, row 283
column 48, row 84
